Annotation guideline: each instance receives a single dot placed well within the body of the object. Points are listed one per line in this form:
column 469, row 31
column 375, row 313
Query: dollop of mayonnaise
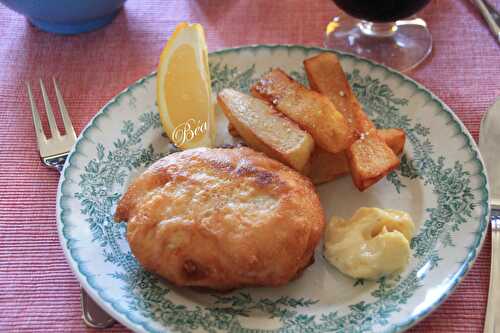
column 373, row 243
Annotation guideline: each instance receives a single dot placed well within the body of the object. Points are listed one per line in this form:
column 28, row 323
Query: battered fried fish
column 222, row 219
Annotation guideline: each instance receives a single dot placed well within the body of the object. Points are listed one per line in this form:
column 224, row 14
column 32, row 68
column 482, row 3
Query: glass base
column 401, row 45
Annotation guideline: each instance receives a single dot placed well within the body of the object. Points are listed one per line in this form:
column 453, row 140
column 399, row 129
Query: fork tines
column 57, row 144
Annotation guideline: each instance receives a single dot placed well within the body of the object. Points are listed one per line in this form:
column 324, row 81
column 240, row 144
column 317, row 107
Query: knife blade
column 489, row 145
column 490, row 15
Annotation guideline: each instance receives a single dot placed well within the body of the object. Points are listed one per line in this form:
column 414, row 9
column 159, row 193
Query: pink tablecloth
column 38, row 291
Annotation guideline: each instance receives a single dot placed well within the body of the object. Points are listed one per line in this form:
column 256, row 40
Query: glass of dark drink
column 382, row 30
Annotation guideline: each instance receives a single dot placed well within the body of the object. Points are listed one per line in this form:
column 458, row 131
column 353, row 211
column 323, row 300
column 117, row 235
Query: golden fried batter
column 222, row 219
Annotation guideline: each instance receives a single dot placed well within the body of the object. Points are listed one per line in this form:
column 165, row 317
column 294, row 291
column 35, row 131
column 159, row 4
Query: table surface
column 38, row 291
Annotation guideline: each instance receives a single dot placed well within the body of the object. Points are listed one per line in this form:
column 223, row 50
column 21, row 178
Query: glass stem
column 377, row 29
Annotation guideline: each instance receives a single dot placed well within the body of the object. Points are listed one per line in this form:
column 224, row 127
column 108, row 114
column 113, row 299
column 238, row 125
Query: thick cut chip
column 370, row 158
column 325, row 166
column 312, row 111
column 265, row 129
column 326, row 76
column 394, row 138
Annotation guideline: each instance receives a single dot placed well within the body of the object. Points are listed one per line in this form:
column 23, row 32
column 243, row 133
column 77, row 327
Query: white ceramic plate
column 441, row 183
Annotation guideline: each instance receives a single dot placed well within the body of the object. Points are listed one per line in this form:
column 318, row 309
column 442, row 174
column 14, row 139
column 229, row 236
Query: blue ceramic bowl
column 67, row 16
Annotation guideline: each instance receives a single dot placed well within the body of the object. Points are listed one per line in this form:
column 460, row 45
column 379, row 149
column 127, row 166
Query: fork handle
column 92, row 314
column 492, row 321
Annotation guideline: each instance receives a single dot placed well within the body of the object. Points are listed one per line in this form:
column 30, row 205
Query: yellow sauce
column 372, row 244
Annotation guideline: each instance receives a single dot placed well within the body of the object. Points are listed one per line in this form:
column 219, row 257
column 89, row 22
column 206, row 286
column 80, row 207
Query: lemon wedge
column 183, row 89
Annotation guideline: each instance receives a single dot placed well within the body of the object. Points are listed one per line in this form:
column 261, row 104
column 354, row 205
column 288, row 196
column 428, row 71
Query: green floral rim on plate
column 445, row 185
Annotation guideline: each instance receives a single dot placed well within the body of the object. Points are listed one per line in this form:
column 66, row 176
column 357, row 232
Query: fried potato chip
column 312, row 111
column 267, row 130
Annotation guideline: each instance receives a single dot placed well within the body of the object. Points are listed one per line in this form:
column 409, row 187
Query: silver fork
column 53, row 153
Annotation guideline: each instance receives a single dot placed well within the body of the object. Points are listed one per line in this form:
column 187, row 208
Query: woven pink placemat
column 38, row 292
